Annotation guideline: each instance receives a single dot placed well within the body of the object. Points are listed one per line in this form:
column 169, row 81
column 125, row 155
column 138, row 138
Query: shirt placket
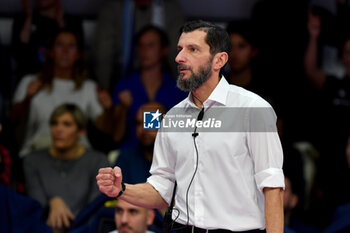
column 198, row 208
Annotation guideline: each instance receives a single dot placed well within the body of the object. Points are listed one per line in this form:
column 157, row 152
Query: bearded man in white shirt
column 228, row 181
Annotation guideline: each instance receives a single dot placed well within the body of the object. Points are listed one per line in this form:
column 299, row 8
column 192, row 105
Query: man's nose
column 124, row 218
column 180, row 58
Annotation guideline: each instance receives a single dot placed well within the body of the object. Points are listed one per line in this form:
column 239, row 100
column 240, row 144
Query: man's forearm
column 143, row 195
column 274, row 217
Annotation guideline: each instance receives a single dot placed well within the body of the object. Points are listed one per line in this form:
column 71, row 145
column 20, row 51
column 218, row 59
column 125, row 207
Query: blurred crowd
column 67, row 110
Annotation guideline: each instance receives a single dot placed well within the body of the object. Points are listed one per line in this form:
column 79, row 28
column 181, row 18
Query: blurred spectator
column 312, row 66
column 131, row 218
column 119, row 21
column 333, row 115
column 243, row 65
column 136, row 161
column 34, row 28
column 150, row 83
column 334, row 27
column 295, row 213
column 49, row 172
column 280, row 37
column 62, row 79
column 332, row 182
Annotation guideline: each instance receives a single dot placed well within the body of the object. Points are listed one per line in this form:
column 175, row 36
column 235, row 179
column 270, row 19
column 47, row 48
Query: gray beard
column 195, row 80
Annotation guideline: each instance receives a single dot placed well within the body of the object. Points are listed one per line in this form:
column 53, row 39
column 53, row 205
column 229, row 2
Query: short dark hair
column 164, row 40
column 217, row 38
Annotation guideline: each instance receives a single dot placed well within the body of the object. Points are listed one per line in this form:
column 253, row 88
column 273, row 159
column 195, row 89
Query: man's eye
column 118, row 211
column 133, row 212
column 194, row 49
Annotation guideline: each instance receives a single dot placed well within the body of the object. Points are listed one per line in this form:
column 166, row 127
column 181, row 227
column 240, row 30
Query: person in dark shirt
column 334, row 96
column 243, row 62
column 331, row 118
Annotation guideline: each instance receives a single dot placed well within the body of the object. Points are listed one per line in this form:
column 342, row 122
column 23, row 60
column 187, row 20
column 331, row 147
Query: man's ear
column 219, row 60
column 151, row 214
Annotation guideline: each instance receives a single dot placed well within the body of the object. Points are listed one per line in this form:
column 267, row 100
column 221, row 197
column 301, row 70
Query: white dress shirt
column 233, row 167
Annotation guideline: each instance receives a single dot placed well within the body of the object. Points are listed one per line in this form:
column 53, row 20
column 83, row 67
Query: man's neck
column 202, row 93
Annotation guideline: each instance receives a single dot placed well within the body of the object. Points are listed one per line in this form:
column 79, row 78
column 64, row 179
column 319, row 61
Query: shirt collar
column 218, row 95
column 220, row 92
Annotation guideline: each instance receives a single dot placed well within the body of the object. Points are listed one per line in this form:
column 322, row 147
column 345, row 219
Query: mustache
column 126, row 225
column 183, row 67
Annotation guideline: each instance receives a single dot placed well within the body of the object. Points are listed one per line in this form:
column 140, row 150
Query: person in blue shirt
column 136, row 161
column 152, row 82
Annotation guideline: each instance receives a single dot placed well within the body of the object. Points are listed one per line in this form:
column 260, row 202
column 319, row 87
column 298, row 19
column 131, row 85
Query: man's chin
column 181, row 76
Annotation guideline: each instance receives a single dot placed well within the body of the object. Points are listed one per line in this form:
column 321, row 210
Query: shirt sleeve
column 265, row 148
column 163, row 167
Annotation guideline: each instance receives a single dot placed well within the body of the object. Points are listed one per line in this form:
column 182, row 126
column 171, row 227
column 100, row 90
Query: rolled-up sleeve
column 163, row 186
column 265, row 148
column 271, row 177
column 267, row 154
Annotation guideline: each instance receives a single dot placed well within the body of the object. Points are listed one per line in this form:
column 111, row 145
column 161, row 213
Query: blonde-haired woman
column 49, row 172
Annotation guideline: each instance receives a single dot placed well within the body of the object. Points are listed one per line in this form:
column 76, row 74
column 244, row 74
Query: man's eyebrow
column 189, row 45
